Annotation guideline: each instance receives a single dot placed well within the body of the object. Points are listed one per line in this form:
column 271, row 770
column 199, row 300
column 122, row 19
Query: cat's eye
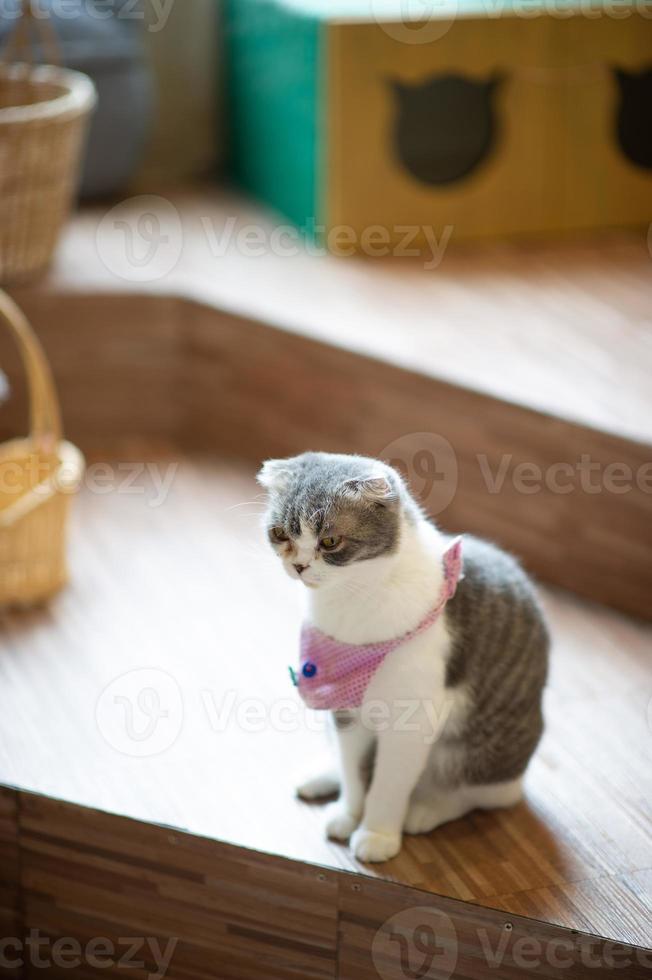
column 279, row 534
column 329, row 543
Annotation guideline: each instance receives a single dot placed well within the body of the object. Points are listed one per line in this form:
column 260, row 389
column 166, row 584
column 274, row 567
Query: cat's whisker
column 247, row 503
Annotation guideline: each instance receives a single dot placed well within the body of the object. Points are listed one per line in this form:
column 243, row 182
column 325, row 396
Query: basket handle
column 21, row 37
column 45, row 418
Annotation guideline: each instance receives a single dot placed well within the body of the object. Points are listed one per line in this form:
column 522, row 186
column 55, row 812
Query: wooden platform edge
column 10, row 892
column 170, row 368
column 109, row 895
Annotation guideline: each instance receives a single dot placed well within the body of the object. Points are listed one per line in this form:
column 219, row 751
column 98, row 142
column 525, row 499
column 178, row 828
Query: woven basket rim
column 69, row 457
column 66, row 452
column 79, row 98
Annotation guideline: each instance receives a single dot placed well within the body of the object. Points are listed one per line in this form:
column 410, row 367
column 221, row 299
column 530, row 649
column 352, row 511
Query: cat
column 450, row 710
column 445, row 127
column 634, row 115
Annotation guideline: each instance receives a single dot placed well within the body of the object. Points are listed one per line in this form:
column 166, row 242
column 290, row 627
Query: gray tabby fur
column 500, row 654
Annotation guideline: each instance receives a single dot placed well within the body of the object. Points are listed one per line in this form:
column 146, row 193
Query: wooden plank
column 218, row 911
column 172, row 904
column 116, row 365
column 390, row 932
column 10, row 901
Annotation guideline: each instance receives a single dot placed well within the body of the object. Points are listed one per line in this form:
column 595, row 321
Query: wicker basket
column 43, row 116
column 37, row 477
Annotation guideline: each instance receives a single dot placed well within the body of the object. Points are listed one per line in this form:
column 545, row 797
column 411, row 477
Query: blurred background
column 494, row 118
column 233, row 230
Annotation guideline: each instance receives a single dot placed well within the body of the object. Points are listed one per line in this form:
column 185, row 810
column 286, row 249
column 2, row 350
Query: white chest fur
column 387, row 598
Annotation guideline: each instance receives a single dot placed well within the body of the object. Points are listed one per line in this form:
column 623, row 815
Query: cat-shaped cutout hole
column 634, row 115
column 444, row 127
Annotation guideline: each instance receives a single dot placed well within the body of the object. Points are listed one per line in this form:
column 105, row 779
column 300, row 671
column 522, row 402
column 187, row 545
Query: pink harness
column 334, row 676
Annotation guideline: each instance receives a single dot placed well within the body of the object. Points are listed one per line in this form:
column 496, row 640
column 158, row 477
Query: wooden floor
column 561, row 326
column 186, row 595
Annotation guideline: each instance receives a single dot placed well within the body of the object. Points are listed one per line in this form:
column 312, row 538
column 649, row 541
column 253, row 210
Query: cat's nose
column 300, row 568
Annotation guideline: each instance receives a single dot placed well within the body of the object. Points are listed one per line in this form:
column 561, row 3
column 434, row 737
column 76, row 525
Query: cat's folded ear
column 274, row 474
column 373, row 489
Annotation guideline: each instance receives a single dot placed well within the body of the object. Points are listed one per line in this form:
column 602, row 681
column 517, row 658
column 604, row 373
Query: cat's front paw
column 372, row 846
column 340, row 824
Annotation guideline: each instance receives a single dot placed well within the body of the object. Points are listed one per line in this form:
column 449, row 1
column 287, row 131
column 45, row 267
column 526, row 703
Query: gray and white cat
column 451, row 717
